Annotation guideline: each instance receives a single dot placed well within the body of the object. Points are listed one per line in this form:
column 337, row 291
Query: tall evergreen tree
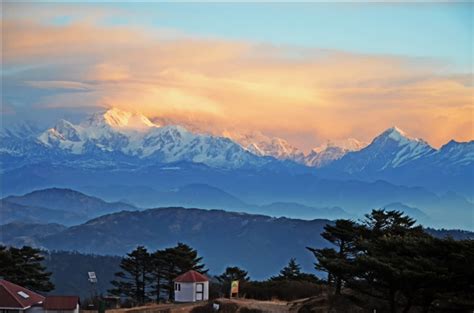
column 159, row 266
column 178, row 260
column 344, row 235
column 186, row 259
column 233, row 273
column 133, row 280
column 23, row 266
column 381, row 264
column 292, row 272
column 389, row 258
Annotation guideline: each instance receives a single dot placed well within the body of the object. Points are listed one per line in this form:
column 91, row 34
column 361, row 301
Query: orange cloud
column 216, row 85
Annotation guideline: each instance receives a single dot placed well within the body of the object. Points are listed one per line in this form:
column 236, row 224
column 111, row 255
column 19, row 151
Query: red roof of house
column 191, row 277
column 60, row 302
column 14, row 296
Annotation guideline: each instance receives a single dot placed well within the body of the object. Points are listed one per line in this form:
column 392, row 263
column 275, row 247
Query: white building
column 191, row 287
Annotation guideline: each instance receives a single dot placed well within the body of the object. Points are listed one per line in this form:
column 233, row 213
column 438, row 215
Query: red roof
column 191, row 277
column 60, row 302
column 14, row 296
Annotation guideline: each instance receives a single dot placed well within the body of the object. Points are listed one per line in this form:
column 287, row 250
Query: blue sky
column 426, row 29
column 437, row 30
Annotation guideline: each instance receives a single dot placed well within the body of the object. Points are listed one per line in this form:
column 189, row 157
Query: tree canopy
column 388, row 257
column 145, row 275
column 23, row 266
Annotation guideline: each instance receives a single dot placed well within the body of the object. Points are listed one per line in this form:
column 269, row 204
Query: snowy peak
column 349, row 144
column 112, row 130
column 116, row 134
column 391, row 149
column 332, row 151
column 122, row 120
column 396, row 134
column 403, row 147
column 66, row 131
column 262, row 145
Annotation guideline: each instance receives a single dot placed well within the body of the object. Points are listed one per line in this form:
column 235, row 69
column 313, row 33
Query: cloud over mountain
column 290, row 92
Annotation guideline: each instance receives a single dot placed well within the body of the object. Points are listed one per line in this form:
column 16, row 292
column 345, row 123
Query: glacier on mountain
column 135, row 135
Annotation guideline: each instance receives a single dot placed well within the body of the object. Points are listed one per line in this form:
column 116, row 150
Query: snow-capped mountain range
column 125, row 134
column 134, row 135
column 119, row 136
column 262, row 145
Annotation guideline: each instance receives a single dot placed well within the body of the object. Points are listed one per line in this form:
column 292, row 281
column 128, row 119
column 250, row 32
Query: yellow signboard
column 234, row 287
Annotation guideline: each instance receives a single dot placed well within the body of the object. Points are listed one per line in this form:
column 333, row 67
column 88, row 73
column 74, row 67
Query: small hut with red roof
column 191, row 287
column 17, row 299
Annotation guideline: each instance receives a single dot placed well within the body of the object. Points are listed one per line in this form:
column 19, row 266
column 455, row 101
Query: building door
column 199, row 291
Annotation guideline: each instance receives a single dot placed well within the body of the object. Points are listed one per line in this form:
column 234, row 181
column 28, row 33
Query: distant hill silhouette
column 59, row 205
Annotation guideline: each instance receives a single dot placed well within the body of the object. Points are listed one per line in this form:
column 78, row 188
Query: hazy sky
column 304, row 72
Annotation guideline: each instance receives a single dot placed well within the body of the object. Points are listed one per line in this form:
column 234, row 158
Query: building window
column 23, row 294
column 177, row 287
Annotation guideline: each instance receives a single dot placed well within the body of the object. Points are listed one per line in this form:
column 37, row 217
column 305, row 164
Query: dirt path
column 158, row 308
column 266, row 306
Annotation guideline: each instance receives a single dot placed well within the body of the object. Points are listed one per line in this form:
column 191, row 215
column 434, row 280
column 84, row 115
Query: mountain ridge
column 109, row 143
column 218, row 235
column 133, row 137
column 61, row 205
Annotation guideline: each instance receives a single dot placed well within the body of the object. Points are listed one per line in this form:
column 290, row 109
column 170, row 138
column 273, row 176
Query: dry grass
column 154, row 308
column 264, row 306
column 319, row 304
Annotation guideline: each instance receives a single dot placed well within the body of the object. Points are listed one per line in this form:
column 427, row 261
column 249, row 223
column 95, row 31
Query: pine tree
column 383, row 262
column 233, row 273
column 382, row 223
column 159, row 266
column 186, row 259
column 134, row 278
column 178, row 260
column 389, row 258
column 292, row 272
column 23, row 266
column 343, row 235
